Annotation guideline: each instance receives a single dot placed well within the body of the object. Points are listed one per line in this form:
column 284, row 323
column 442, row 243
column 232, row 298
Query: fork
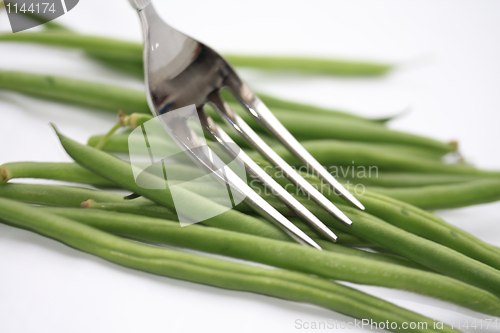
column 181, row 71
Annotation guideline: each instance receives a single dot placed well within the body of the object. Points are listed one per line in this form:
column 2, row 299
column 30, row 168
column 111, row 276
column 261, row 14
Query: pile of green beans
column 427, row 253
column 327, row 264
column 414, row 250
column 220, row 273
column 95, row 160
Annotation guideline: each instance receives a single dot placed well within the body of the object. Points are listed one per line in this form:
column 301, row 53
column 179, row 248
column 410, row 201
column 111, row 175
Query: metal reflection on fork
column 181, row 71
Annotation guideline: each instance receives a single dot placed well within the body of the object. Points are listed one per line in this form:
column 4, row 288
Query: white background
column 448, row 53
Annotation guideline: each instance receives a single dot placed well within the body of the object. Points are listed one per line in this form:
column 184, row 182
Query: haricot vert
column 215, row 272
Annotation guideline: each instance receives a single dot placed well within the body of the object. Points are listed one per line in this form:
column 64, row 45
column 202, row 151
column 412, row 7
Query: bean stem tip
column 88, row 203
column 4, row 175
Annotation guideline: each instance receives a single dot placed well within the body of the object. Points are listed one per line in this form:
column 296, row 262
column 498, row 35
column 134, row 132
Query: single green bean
column 54, row 195
column 72, row 172
column 90, row 94
column 69, row 172
column 139, row 206
column 113, row 49
column 446, row 196
column 310, row 65
column 206, row 270
column 408, row 179
column 131, row 52
column 365, row 160
column 274, row 102
column 347, row 266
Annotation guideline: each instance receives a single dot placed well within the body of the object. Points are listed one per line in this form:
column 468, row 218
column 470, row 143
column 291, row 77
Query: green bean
column 446, row 196
column 113, row 49
column 139, row 206
column 274, row 102
column 409, row 179
column 339, row 266
column 131, row 68
column 54, row 195
column 90, row 94
column 116, row 144
column 310, row 65
column 131, row 52
column 69, row 172
column 72, row 172
column 370, row 158
column 206, row 270
column 343, row 238
column 121, row 174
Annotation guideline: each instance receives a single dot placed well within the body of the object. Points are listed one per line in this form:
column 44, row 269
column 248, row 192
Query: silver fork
column 181, row 71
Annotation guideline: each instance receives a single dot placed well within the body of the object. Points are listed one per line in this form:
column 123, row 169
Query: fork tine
column 207, row 159
column 260, row 111
column 253, row 168
column 254, row 139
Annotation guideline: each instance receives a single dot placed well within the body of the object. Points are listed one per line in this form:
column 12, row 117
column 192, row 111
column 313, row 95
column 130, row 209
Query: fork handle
column 139, row 4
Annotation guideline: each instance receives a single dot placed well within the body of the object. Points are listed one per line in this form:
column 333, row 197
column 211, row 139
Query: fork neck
column 139, row 4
